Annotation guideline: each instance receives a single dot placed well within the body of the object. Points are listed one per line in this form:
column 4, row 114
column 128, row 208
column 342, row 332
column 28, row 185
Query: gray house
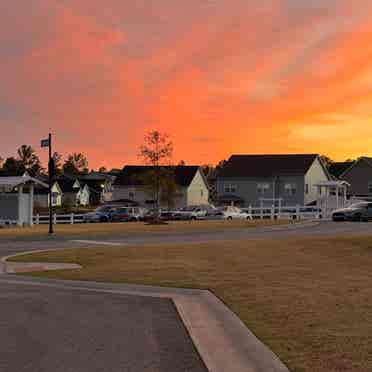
column 359, row 176
column 269, row 179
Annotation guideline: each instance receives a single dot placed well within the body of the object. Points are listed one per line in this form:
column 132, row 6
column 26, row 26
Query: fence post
column 55, row 219
column 272, row 212
column 250, row 210
column 298, row 212
column 72, row 218
column 261, row 212
column 37, row 222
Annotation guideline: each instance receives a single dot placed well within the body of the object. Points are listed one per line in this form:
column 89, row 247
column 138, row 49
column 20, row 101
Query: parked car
column 194, row 212
column 163, row 215
column 232, row 213
column 101, row 214
column 128, row 214
column 361, row 211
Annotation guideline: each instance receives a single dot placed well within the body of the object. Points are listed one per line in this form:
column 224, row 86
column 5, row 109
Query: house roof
column 267, row 165
column 366, row 159
column 66, row 184
column 131, row 174
column 11, row 182
column 336, row 169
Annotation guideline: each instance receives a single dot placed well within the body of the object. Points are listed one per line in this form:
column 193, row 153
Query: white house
column 41, row 198
column 17, row 199
column 191, row 184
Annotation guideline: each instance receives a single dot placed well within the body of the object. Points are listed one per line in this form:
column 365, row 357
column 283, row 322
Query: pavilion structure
column 332, row 195
column 17, row 199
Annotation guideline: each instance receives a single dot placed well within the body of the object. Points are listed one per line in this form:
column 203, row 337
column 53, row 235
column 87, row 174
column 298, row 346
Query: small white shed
column 17, row 199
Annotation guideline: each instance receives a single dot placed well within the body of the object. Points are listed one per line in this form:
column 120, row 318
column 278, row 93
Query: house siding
column 314, row 175
column 197, row 192
column 246, row 188
column 359, row 176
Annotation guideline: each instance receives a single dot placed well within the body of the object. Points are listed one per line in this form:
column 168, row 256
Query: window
column 370, row 187
column 306, row 188
column 263, row 187
column 132, row 195
column 290, row 188
column 230, row 188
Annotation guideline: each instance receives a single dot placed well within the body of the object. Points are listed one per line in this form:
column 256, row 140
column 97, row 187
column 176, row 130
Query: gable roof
column 131, row 174
column 336, row 169
column 11, row 182
column 267, row 165
column 66, row 184
column 366, row 159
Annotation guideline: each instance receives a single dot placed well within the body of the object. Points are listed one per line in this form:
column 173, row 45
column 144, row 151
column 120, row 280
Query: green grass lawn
column 310, row 300
column 129, row 228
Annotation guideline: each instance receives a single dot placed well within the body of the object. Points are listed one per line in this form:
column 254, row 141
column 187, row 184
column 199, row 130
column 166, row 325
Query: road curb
column 223, row 341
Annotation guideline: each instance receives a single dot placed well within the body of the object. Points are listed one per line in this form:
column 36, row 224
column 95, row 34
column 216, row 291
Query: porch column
column 20, row 194
column 31, row 206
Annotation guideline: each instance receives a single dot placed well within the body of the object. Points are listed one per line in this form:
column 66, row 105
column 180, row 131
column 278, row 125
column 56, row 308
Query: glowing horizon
column 221, row 77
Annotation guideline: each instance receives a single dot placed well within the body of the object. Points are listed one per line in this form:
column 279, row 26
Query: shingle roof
column 131, row 174
column 66, row 184
column 336, row 169
column 267, row 165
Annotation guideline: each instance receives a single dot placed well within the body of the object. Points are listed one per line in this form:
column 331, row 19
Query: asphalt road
column 58, row 330
column 324, row 228
column 45, row 329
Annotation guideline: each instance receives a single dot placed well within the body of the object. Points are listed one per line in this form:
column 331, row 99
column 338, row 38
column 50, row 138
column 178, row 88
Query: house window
column 263, row 187
column 132, row 195
column 370, row 187
column 230, row 188
column 306, row 188
column 290, row 188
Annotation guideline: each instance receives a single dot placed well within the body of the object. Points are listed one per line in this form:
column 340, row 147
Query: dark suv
column 361, row 211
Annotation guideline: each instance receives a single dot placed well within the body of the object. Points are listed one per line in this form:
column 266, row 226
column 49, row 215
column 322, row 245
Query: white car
column 232, row 213
column 194, row 212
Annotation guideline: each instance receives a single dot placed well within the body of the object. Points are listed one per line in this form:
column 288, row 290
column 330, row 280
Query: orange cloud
column 219, row 76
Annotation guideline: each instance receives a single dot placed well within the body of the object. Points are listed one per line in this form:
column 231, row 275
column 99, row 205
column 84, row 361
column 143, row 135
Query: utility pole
column 48, row 143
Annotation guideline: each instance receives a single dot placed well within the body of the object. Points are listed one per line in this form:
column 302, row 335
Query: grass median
column 310, row 300
column 130, row 228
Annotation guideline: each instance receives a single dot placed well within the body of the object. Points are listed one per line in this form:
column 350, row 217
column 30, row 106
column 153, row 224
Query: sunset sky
column 220, row 76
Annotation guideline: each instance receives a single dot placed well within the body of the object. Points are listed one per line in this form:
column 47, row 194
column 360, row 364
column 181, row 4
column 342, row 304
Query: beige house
column 191, row 187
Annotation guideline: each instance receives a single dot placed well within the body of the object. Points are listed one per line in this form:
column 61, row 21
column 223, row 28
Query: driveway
column 45, row 329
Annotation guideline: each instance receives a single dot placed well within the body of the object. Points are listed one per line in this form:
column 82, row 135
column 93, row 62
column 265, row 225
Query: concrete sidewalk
column 222, row 340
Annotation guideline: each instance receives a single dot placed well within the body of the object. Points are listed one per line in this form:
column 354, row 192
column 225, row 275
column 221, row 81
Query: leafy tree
column 13, row 167
column 76, row 164
column 57, row 158
column 327, row 161
column 29, row 160
column 156, row 150
column 102, row 170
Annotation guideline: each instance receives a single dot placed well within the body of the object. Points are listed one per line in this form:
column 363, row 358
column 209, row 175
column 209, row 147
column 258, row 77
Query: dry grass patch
column 309, row 300
column 117, row 229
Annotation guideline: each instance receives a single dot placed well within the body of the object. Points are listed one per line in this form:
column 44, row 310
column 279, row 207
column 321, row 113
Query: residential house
column 359, row 176
column 336, row 169
column 192, row 186
column 257, row 180
column 41, row 197
column 74, row 193
column 100, row 186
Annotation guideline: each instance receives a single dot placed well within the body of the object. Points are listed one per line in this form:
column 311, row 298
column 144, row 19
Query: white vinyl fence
column 70, row 218
column 290, row 213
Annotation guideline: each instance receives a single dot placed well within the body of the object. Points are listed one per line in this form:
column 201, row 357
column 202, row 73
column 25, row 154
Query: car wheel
column 103, row 219
column 229, row 218
column 357, row 217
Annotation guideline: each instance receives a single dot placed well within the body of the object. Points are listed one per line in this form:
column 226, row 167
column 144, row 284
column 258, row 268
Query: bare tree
column 156, row 150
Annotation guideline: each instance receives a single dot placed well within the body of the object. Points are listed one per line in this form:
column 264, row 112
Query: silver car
column 361, row 211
